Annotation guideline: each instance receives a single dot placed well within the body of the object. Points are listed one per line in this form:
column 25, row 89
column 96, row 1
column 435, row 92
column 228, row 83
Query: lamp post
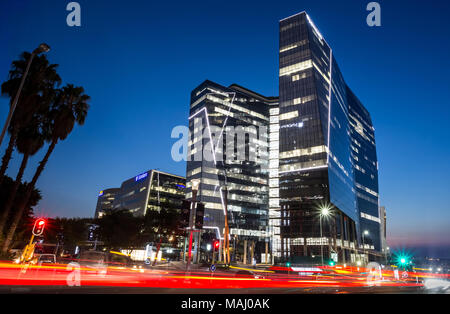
column 324, row 212
column 195, row 184
column 226, row 236
column 364, row 245
column 38, row 50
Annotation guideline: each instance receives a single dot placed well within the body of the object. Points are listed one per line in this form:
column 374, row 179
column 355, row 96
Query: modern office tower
column 315, row 154
column 313, row 186
column 105, row 201
column 364, row 159
column 151, row 190
column 236, row 120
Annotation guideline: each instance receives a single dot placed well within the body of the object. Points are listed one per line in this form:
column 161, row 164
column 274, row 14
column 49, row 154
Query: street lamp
column 324, row 212
column 195, row 185
column 42, row 48
column 366, row 232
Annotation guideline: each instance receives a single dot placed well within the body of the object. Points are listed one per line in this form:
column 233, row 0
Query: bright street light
column 366, row 232
column 325, row 211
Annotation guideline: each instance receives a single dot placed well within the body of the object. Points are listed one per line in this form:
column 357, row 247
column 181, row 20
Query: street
column 171, row 279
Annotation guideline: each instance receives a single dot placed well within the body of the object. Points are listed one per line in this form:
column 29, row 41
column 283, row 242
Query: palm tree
column 69, row 108
column 29, row 141
column 41, row 79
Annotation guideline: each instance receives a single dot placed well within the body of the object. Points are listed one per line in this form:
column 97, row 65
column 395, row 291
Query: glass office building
column 105, row 201
column 236, row 121
column 151, row 190
column 315, row 148
column 317, row 167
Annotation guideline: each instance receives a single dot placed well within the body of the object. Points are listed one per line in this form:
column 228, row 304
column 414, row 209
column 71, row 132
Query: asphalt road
column 251, row 291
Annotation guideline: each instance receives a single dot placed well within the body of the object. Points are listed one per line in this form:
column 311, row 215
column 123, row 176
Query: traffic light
column 403, row 259
column 199, row 213
column 216, row 245
column 331, row 263
column 38, row 228
column 288, row 264
column 185, row 213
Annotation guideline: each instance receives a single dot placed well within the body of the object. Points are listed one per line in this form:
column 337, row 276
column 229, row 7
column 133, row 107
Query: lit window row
column 239, row 108
column 289, row 115
column 294, row 45
column 296, row 67
column 303, row 152
column 370, row 217
column 303, row 165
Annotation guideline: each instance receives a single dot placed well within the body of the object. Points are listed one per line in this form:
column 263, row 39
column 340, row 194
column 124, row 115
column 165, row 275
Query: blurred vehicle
column 99, row 261
column 46, row 259
column 237, row 272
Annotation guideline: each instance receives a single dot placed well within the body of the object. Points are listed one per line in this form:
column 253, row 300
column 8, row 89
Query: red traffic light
column 216, row 244
column 39, row 226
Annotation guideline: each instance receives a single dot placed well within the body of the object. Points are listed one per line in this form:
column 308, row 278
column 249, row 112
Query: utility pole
column 226, row 240
column 195, row 185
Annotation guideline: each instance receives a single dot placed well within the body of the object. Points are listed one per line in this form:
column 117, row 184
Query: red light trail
column 58, row 274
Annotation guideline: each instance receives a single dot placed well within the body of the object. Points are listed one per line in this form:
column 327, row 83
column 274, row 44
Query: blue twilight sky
column 139, row 60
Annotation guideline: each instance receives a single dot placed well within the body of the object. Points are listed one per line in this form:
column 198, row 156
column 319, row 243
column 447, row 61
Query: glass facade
column 317, row 168
column 236, row 121
column 364, row 159
column 313, row 148
column 151, row 190
column 105, row 201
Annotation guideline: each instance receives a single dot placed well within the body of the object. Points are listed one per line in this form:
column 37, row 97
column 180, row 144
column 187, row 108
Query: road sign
column 334, row 257
column 212, row 268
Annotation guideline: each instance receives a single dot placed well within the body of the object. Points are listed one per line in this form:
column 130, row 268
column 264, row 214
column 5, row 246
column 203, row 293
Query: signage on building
column 141, row 176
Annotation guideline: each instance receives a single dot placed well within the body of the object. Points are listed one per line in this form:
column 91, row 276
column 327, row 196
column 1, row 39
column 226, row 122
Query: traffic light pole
column 28, row 250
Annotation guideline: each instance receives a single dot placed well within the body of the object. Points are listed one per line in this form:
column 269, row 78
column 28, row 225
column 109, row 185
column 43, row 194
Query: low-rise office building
column 151, row 190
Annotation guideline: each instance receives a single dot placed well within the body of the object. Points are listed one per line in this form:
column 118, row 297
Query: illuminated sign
column 293, row 125
column 141, row 176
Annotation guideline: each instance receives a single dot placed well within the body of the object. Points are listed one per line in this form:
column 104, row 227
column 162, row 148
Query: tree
column 120, row 229
column 26, row 222
column 70, row 107
column 70, row 231
column 29, row 142
column 161, row 224
column 37, row 90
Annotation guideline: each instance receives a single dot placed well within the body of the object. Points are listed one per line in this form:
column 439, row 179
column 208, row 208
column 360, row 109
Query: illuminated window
column 296, row 67
column 289, row 115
